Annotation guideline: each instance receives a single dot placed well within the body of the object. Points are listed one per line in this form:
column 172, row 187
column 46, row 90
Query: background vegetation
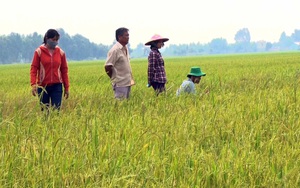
column 16, row 48
column 243, row 133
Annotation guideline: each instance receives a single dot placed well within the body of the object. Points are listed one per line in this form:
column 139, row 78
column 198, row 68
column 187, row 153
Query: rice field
column 241, row 129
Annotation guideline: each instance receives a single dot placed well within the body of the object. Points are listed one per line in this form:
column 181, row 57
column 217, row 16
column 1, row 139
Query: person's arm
column 108, row 70
column 35, row 66
column 112, row 57
column 151, row 67
column 65, row 74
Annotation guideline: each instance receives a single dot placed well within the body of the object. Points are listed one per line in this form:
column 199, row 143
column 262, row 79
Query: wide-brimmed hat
column 196, row 71
column 156, row 37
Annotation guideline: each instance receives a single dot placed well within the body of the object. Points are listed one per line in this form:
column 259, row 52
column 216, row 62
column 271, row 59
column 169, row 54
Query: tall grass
column 243, row 133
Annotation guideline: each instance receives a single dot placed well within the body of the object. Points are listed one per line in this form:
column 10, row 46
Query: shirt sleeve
column 64, row 71
column 151, row 66
column 35, row 67
column 111, row 58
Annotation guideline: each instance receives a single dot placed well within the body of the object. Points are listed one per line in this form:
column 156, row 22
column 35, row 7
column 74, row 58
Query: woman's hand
column 66, row 94
column 34, row 90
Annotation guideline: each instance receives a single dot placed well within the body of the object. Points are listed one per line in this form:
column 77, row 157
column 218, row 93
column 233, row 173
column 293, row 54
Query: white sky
column 183, row 22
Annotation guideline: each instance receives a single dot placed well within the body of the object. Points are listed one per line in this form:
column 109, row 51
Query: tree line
column 16, row 48
column 242, row 44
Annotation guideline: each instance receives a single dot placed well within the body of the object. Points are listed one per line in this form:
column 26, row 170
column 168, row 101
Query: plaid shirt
column 156, row 68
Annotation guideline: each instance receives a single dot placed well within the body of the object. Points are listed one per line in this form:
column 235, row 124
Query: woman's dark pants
column 51, row 94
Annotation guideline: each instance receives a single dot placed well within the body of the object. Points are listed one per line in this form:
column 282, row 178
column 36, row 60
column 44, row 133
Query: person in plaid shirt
column 156, row 66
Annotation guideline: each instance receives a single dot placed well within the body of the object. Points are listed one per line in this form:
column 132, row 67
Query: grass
column 243, row 133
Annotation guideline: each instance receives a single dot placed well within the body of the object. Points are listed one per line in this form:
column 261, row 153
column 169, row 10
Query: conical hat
column 156, row 37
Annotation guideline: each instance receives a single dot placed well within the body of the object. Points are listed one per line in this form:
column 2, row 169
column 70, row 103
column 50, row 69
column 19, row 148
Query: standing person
column 49, row 72
column 194, row 77
column 156, row 65
column 117, row 65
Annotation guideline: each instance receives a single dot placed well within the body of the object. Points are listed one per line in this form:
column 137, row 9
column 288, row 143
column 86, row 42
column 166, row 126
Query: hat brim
column 201, row 74
column 162, row 39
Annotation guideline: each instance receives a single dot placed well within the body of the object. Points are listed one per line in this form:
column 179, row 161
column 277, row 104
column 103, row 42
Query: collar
column 120, row 45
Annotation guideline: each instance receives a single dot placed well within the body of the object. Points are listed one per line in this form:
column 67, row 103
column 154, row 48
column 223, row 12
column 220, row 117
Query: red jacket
column 47, row 69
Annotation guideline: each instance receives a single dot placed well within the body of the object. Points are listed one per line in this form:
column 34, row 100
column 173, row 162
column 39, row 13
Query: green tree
column 218, row 46
column 296, row 35
column 30, row 43
column 4, row 52
column 242, row 41
column 286, row 42
column 242, row 36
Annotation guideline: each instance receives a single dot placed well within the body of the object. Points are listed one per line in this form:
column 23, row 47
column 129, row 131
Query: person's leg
column 55, row 92
column 128, row 92
column 122, row 92
column 43, row 97
column 158, row 87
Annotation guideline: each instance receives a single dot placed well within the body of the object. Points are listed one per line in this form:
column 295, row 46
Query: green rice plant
column 241, row 129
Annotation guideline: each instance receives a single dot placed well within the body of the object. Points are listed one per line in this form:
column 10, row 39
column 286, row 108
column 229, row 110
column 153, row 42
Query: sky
column 183, row 22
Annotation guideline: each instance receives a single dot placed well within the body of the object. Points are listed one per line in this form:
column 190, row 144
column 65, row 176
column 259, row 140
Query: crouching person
column 188, row 86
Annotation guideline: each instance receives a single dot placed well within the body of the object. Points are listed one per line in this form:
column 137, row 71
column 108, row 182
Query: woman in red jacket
column 49, row 72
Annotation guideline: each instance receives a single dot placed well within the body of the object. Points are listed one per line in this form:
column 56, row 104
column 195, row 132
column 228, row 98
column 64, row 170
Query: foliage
column 296, row 35
column 218, row 46
column 241, row 129
column 286, row 42
column 242, row 36
column 16, row 48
